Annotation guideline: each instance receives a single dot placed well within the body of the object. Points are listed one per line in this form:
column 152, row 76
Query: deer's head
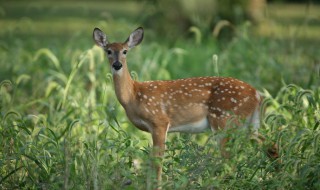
column 117, row 52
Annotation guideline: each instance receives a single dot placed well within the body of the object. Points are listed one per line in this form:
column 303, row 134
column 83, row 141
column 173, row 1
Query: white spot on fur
column 213, row 115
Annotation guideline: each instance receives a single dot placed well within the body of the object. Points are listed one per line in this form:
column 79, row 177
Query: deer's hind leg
column 222, row 123
column 254, row 122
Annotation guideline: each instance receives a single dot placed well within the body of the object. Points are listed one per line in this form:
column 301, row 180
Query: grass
column 61, row 126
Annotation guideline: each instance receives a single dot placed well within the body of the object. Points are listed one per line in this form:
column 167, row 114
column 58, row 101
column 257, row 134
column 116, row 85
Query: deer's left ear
column 100, row 38
column 135, row 38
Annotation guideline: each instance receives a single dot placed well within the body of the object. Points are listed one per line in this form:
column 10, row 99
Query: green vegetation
column 61, row 126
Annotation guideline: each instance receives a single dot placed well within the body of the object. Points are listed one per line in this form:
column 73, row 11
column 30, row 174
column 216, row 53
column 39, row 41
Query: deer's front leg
column 159, row 135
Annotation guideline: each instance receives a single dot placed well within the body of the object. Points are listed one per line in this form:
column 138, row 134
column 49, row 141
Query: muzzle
column 117, row 65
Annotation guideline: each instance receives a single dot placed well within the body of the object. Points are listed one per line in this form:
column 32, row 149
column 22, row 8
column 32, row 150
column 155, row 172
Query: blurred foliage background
column 284, row 33
column 61, row 126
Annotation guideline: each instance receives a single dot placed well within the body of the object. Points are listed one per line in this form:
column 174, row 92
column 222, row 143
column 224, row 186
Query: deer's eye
column 109, row 52
column 124, row 52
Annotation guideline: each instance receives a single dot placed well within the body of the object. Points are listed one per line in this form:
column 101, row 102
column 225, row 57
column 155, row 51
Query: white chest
column 142, row 124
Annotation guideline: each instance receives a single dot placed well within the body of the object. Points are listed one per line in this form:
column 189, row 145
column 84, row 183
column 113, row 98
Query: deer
column 190, row 105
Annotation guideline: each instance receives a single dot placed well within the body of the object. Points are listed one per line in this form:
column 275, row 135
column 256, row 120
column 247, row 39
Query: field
column 61, row 126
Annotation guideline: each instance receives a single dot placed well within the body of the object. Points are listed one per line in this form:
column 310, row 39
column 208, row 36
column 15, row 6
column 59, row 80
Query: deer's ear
column 100, row 38
column 135, row 38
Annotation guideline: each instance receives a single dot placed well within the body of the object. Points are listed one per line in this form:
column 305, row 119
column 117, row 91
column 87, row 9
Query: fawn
column 184, row 105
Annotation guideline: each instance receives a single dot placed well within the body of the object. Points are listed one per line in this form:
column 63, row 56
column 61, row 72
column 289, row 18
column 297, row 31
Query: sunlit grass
column 291, row 22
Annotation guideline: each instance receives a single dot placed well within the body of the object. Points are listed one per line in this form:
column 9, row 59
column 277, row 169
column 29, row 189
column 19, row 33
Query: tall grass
column 69, row 148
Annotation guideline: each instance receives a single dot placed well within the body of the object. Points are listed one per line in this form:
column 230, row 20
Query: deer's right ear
column 100, row 38
column 135, row 38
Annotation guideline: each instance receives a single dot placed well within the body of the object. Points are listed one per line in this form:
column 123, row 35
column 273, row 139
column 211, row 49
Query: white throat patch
column 116, row 72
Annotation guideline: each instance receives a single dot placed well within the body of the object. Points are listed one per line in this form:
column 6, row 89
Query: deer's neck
column 124, row 86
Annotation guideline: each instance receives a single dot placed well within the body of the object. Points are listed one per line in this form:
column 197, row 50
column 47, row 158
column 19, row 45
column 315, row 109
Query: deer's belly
column 193, row 127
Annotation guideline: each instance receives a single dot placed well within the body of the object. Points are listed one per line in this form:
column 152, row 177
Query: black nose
column 117, row 65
